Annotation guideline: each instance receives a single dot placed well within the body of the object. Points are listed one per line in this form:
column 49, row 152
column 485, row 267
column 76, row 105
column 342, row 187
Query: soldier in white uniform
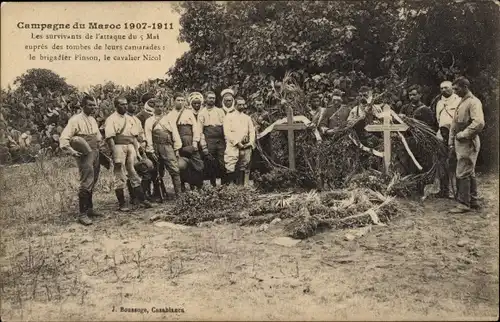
column 121, row 134
column 239, row 132
column 85, row 126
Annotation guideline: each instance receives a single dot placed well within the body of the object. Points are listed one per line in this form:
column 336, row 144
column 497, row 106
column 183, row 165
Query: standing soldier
column 445, row 111
column 190, row 134
column 210, row 120
column 195, row 104
column 84, row 126
column 335, row 115
column 121, row 134
column 148, row 100
column 315, row 110
column 260, row 119
column 131, row 109
column 417, row 109
column 239, row 132
column 163, row 144
column 464, row 141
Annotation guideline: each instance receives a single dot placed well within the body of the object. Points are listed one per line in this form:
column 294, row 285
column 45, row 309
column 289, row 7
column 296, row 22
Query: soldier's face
column 196, row 105
column 121, row 106
column 259, row 105
column 228, row 101
column 158, row 107
column 240, row 105
column 446, row 90
column 414, row 96
column 316, row 102
column 210, row 100
column 459, row 90
column 89, row 107
column 364, row 96
column 336, row 103
column 132, row 107
column 179, row 102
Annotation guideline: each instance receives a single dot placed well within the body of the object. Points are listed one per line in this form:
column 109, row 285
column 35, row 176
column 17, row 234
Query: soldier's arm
column 66, row 135
column 477, row 117
column 110, row 133
column 439, row 107
column 149, row 135
column 451, row 137
column 98, row 134
column 176, row 136
column 228, row 133
column 196, row 131
column 251, row 133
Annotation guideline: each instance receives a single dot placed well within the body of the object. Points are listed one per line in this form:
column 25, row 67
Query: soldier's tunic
column 163, row 138
column 190, row 134
column 140, row 128
column 86, row 127
column 238, row 128
column 339, row 117
column 210, row 121
column 445, row 112
column 123, row 130
column 469, row 122
column 360, row 117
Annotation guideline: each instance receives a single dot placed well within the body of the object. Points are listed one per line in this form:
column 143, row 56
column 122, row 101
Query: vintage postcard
column 249, row 160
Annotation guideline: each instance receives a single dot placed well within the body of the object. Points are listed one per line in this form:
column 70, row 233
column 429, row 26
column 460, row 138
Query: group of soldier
column 189, row 141
column 196, row 140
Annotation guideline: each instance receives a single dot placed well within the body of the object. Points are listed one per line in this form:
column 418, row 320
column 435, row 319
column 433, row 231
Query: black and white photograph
column 249, row 160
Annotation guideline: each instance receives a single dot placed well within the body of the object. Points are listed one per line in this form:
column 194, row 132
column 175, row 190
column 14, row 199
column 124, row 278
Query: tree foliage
column 38, row 80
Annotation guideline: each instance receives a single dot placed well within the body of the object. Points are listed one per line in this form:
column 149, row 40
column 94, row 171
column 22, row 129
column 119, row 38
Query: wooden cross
column 387, row 128
column 290, row 127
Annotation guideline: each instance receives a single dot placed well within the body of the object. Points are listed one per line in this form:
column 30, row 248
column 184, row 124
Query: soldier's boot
column 474, row 199
column 176, row 181
column 156, row 191
column 240, row 177
column 231, row 177
column 224, row 178
column 146, row 187
column 463, row 197
column 83, row 202
column 213, row 181
column 142, row 198
column 246, row 177
column 183, row 186
column 91, row 212
column 120, row 195
column 237, row 177
column 131, row 193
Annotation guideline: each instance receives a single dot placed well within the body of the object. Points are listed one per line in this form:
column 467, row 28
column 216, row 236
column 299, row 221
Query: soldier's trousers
column 88, row 168
column 125, row 157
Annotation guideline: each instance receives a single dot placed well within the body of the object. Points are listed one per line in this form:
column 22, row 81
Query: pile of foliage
column 304, row 214
column 338, row 210
column 282, row 179
column 210, row 203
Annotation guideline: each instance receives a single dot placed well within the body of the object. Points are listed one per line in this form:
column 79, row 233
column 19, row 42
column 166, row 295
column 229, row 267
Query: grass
column 54, row 269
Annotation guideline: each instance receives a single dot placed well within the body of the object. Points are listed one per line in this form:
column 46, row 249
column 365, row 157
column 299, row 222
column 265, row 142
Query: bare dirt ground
column 426, row 264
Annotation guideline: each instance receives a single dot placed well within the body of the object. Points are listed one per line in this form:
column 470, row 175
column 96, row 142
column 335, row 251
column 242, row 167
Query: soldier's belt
column 124, row 139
